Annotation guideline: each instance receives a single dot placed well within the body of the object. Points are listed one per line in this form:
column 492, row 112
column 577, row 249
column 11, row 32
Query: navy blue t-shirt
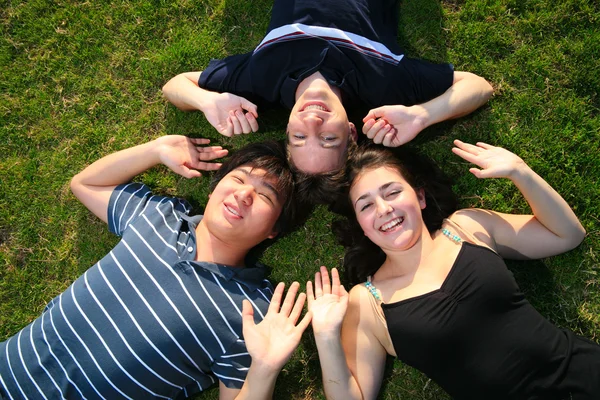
column 352, row 44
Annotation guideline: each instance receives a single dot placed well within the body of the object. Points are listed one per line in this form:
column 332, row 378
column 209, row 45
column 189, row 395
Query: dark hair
column 363, row 257
column 271, row 156
column 322, row 188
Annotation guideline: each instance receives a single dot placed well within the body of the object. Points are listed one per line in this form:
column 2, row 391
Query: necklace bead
column 373, row 290
column 453, row 237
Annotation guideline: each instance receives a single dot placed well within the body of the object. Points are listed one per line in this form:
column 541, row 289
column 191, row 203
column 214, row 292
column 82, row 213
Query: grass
column 79, row 80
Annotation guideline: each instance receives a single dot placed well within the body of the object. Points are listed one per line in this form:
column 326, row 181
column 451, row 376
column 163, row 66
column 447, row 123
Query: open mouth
column 391, row 225
column 233, row 211
column 315, row 106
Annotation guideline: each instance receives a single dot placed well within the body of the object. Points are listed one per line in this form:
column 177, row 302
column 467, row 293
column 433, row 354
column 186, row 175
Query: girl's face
column 388, row 208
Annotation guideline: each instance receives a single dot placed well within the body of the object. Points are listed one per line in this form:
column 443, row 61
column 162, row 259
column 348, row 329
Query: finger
column 243, row 121
column 250, row 107
column 309, row 293
column 186, row 172
column 252, row 121
column 343, row 291
column 478, row 173
column 206, row 166
column 288, row 303
column 237, row 127
column 211, row 153
column 326, row 281
column 485, row 145
column 335, row 282
column 374, row 113
column 229, row 130
column 467, row 147
column 379, row 136
column 247, row 314
column 389, row 140
column 305, row 322
column 470, row 157
column 298, row 306
column 199, row 141
column 276, row 299
column 376, row 128
column 318, row 285
column 368, row 125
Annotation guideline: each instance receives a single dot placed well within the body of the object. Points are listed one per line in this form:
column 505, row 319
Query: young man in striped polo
column 161, row 315
column 318, row 59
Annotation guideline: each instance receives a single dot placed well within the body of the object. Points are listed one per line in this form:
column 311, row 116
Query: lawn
column 79, row 80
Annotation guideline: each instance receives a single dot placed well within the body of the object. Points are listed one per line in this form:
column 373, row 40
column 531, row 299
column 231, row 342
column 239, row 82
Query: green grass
column 79, row 80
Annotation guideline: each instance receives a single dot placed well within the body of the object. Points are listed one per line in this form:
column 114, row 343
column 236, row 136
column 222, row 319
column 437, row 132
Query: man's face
column 318, row 131
column 244, row 207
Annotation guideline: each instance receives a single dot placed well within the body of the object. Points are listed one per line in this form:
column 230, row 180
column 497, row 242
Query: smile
column 388, row 226
column 315, row 106
column 233, row 211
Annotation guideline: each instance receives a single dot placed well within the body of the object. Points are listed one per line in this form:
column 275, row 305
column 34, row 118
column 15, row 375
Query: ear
column 210, row 194
column 421, row 197
column 353, row 133
column 273, row 235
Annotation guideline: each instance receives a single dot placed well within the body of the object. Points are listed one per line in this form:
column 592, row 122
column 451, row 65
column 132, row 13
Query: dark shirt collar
column 251, row 276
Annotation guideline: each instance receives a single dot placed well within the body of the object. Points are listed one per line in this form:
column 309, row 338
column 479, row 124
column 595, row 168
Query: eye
column 265, row 197
column 392, row 193
column 329, row 138
column 365, row 206
column 237, row 179
column 299, row 136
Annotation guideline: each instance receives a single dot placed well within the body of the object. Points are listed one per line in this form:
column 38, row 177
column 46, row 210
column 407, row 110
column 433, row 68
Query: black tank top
column 478, row 338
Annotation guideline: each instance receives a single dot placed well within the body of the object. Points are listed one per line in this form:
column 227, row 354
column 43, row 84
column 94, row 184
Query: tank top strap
column 463, row 233
column 376, row 302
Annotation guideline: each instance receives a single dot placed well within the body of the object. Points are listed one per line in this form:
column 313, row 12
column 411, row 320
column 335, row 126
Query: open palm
column 328, row 302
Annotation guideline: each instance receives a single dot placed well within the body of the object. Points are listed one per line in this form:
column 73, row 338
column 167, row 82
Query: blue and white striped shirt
column 147, row 321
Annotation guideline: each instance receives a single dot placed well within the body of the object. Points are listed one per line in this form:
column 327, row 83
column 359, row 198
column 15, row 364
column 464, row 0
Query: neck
column 316, row 81
column 404, row 262
column 213, row 249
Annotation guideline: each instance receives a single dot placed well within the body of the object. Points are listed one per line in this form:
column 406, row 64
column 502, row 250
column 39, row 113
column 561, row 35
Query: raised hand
column 494, row 162
column 327, row 303
column 230, row 114
column 272, row 341
column 185, row 156
column 394, row 126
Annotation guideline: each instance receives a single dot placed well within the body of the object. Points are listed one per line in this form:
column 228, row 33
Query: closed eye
column 392, row 194
column 365, row 206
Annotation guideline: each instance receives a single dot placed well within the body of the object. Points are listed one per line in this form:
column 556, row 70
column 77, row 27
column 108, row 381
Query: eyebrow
column 263, row 181
column 381, row 189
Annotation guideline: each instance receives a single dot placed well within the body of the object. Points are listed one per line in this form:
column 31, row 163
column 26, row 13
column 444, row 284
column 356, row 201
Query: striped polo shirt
column 147, row 321
column 352, row 43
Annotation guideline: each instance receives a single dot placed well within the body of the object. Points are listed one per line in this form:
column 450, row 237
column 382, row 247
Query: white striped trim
column 235, row 355
column 139, row 328
column 158, row 235
column 40, row 359
column 250, row 300
column 25, row 365
column 337, row 36
column 11, row 370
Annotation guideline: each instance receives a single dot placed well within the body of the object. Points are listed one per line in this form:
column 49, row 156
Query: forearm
column 184, row 93
column 548, row 207
column 467, row 93
column 338, row 381
column 259, row 383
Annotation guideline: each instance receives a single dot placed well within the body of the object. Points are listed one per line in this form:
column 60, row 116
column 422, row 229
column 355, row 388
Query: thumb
column 247, row 314
column 374, row 114
column 250, row 107
column 478, row 173
column 186, row 172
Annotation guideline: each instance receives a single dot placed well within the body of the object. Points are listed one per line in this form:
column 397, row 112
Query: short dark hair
column 271, row 156
column 363, row 257
column 323, row 188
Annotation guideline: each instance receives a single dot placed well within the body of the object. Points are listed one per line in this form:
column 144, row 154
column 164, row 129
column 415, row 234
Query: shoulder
column 476, row 223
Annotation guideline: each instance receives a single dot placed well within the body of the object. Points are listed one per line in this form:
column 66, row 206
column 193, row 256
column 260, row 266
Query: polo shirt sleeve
column 129, row 200
column 418, row 81
column 230, row 74
column 232, row 367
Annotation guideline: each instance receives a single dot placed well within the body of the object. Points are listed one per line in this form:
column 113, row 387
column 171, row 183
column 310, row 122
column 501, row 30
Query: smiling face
column 244, row 207
column 318, row 129
column 388, row 208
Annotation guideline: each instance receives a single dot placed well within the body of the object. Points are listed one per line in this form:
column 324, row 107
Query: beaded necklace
column 450, row 235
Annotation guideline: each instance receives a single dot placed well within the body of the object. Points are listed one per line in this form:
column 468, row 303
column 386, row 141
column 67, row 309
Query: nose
column 245, row 194
column 312, row 121
column 383, row 207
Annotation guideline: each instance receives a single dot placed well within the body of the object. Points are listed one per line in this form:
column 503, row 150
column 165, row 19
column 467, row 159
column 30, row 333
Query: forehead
column 373, row 178
column 316, row 159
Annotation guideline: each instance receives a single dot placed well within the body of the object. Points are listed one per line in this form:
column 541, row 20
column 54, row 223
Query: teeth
column 392, row 224
column 315, row 107
column 231, row 210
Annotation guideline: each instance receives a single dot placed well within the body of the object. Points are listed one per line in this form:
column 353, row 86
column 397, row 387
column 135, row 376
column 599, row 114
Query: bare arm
column 227, row 113
column 552, row 229
column 270, row 343
column 94, row 185
column 352, row 358
column 396, row 125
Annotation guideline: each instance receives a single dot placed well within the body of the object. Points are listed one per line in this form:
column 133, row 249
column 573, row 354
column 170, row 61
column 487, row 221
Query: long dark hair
column 363, row 257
